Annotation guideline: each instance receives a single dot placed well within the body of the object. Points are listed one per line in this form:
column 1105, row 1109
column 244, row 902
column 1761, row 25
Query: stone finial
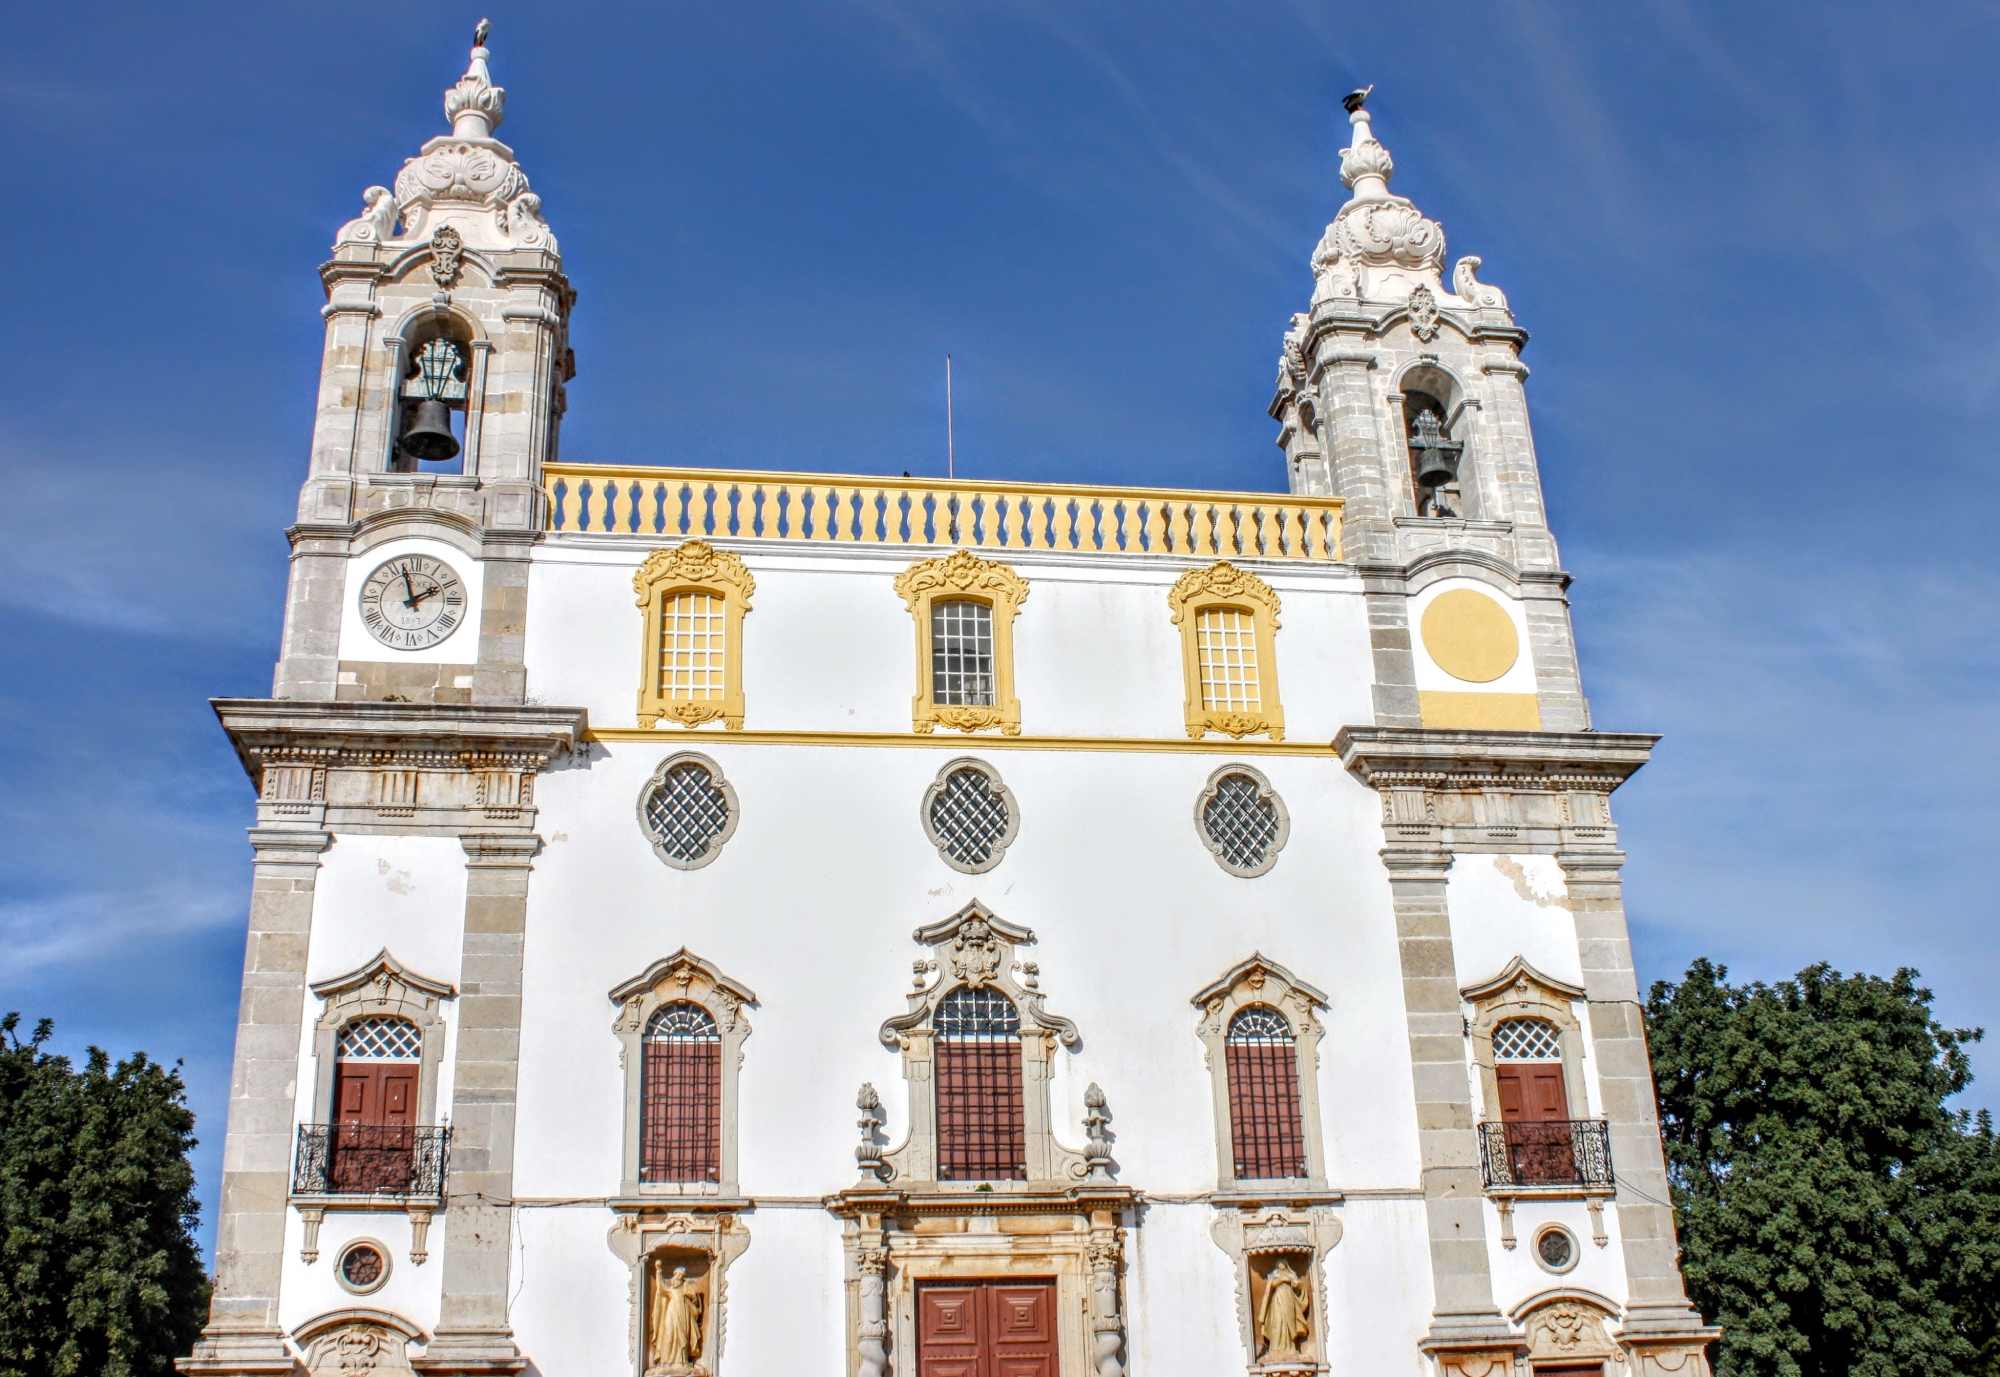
column 474, row 105
column 868, row 1154
column 1097, row 1136
column 1365, row 165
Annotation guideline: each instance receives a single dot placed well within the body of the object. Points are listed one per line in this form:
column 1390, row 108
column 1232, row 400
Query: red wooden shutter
column 976, row 1070
column 1534, row 1109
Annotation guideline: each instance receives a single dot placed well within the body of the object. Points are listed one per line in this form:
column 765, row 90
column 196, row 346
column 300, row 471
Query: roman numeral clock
column 412, row 602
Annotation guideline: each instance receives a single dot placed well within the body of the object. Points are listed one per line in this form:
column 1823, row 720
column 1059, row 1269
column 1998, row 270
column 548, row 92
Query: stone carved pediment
column 1571, row 1329
column 1521, row 977
column 357, row 1342
column 385, row 978
column 975, row 947
column 682, row 975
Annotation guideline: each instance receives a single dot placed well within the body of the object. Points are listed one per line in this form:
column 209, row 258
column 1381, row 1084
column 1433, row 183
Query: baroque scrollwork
column 1221, row 587
column 697, row 567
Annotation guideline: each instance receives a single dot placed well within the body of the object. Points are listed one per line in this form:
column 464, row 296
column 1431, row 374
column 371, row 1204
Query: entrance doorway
column 986, row 1328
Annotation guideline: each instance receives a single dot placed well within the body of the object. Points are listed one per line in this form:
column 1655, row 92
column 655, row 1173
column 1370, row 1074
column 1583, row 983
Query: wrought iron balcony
column 405, row 1162
column 1557, row 1152
column 676, row 504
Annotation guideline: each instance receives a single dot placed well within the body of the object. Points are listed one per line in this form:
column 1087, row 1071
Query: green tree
column 1837, row 1216
column 99, row 1272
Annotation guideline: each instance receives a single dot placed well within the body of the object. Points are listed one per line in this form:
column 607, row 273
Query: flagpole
column 950, row 449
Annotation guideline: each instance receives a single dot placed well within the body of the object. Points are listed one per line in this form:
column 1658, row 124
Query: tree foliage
column 1836, row 1215
column 99, row 1271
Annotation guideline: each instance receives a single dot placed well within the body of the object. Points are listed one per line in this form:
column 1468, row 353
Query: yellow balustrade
column 619, row 499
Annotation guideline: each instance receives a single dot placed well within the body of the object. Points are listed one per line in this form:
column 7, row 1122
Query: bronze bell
column 429, row 436
column 1437, row 457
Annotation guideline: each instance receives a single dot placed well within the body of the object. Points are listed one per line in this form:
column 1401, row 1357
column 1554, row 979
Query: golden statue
column 1283, row 1321
column 673, row 1330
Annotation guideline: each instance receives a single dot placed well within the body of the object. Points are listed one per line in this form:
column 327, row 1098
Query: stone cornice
column 268, row 731
column 1430, row 758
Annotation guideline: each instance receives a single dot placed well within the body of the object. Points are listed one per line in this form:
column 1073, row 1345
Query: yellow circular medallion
column 1470, row 636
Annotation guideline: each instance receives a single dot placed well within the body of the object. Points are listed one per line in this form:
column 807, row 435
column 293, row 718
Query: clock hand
column 410, row 593
column 431, row 591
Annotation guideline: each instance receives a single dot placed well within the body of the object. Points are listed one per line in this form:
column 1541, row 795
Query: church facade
column 742, row 923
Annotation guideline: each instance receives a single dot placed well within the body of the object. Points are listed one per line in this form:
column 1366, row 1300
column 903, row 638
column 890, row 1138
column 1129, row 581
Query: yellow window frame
column 964, row 575
column 693, row 566
column 1222, row 587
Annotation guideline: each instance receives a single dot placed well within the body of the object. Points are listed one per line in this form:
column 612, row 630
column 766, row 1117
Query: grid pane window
column 692, row 632
column 1526, row 1039
column 1226, row 646
column 961, row 653
column 1266, row 1130
column 981, row 1127
column 680, row 1097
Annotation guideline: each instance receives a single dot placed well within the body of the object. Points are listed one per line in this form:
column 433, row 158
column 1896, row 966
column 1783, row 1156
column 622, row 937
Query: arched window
column 981, row 1131
column 431, row 399
column 680, row 1096
column 1267, row 1135
column 377, row 1069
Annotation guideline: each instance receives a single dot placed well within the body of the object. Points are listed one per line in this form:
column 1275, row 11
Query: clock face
column 412, row 601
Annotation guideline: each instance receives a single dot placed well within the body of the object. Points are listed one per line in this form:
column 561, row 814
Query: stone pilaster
column 242, row 1335
column 1552, row 644
column 1348, row 411
column 501, row 675
column 474, row 1334
column 1659, row 1319
column 1514, row 465
column 1465, row 1321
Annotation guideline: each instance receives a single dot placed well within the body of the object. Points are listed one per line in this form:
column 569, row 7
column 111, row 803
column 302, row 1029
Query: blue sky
column 1755, row 246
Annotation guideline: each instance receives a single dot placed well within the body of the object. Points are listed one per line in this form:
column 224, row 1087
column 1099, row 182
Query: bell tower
column 1405, row 398
column 441, row 397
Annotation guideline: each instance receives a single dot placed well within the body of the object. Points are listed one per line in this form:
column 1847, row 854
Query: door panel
column 986, row 1329
column 1534, row 1107
column 375, row 1111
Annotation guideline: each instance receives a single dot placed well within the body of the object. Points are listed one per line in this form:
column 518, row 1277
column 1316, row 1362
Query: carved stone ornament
column 357, row 1342
column 1224, row 585
column 1465, row 284
column 447, row 257
column 377, row 221
column 1423, row 314
column 1570, row 1330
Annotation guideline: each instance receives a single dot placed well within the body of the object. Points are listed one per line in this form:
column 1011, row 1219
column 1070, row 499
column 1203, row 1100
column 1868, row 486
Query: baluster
column 1166, row 527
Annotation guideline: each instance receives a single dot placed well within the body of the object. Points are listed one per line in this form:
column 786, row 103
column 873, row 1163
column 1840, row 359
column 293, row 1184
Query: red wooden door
column 986, row 1329
column 374, row 1113
column 1534, row 1107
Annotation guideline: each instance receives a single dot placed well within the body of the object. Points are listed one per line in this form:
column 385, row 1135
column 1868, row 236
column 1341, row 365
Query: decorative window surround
column 672, row 851
column 1219, row 845
column 967, row 576
column 1570, row 1326
column 379, row 987
column 682, row 977
column 947, row 845
column 1222, row 587
column 693, row 566
column 1257, row 980
column 975, row 949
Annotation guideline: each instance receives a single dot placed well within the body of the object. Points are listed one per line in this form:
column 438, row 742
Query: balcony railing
column 366, row 1159
column 672, row 504
column 1557, row 1152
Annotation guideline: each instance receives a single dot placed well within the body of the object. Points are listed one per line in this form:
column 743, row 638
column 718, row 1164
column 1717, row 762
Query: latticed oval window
column 1242, row 821
column 981, row 1124
column 970, row 816
column 680, row 1096
column 1266, row 1129
column 688, row 810
column 1526, row 1039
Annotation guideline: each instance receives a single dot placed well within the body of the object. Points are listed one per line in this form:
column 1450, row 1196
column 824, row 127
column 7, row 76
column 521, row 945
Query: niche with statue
column 1281, row 1302
column 679, row 1261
